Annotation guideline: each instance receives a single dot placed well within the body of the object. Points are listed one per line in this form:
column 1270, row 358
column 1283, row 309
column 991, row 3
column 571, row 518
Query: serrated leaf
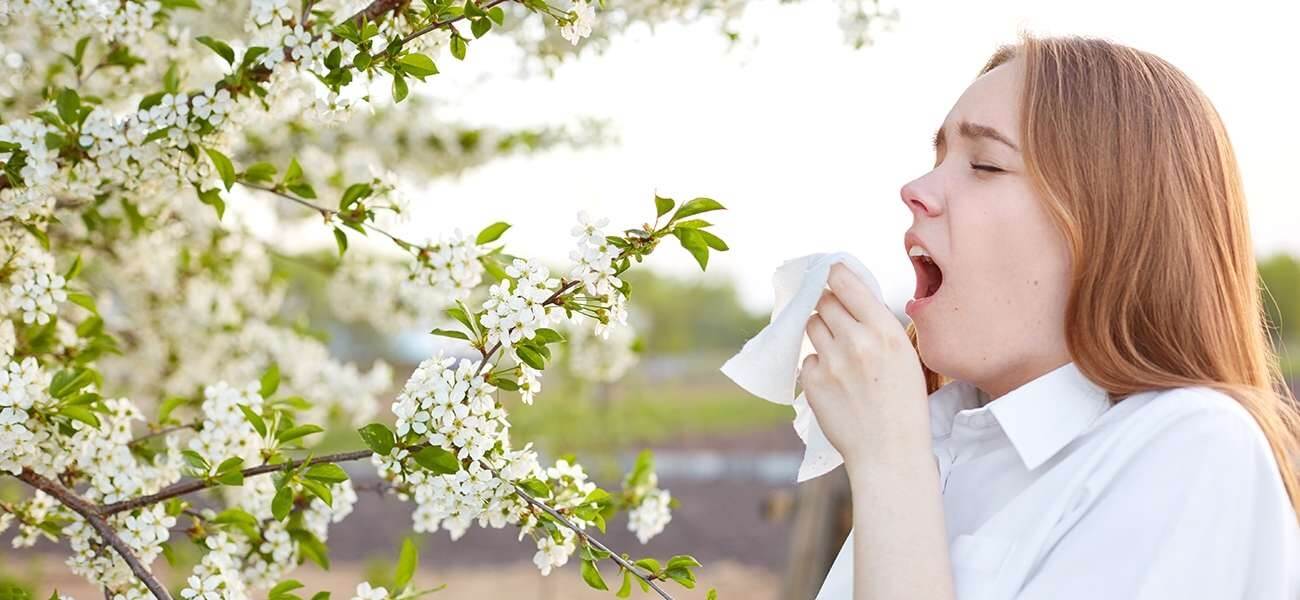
column 451, row 333
column 69, row 105
column 399, row 88
column 491, row 233
column 253, row 419
column 270, row 381
column 212, row 198
column 318, row 490
column 294, row 433
column 418, row 65
column 530, row 357
column 224, row 167
column 327, row 472
column 536, row 488
column 195, row 460
column 458, row 47
column 378, row 437
column 663, row 205
column 697, row 206
column 341, row 239
column 437, row 460
column 407, row 560
column 282, row 503
column 591, row 575
column 221, row 48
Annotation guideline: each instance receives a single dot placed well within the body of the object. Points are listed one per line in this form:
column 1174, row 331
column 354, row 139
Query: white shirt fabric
column 1051, row 493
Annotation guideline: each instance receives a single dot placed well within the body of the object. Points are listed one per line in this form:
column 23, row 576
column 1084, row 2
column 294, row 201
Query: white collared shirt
column 1049, row 492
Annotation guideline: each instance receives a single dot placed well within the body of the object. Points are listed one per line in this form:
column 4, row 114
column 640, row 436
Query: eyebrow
column 975, row 130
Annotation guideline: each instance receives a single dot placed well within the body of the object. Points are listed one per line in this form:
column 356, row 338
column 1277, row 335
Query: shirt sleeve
column 1198, row 511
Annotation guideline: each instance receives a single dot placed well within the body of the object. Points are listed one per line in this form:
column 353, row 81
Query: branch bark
column 93, row 515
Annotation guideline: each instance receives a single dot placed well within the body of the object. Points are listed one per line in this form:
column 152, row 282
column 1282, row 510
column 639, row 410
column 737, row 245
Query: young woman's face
column 990, row 308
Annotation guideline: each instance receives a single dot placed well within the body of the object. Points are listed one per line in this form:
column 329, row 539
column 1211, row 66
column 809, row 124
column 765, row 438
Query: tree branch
column 194, row 485
column 591, row 540
column 327, row 213
column 96, row 518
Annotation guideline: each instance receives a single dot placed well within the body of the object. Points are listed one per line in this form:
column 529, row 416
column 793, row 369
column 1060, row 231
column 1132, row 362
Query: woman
column 1105, row 416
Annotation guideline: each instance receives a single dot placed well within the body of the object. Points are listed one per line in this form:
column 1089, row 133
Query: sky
column 807, row 141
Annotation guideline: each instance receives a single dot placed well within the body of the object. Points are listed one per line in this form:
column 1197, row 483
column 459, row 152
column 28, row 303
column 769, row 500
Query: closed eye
column 988, row 168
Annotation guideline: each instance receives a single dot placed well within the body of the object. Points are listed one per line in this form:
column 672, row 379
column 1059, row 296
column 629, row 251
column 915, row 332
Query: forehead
column 993, row 99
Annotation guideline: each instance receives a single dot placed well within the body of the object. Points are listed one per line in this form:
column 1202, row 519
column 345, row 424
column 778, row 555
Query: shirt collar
column 1039, row 418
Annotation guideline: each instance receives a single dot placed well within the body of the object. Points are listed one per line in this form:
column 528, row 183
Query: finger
column 836, row 315
column 819, row 333
column 856, row 297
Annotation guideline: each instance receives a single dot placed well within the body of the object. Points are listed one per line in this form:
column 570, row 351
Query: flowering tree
column 147, row 371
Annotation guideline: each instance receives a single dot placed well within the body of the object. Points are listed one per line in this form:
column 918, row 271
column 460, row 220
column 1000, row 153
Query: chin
column 937, row 353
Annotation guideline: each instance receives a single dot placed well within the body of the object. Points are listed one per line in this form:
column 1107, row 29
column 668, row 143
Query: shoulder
column 1194, row 429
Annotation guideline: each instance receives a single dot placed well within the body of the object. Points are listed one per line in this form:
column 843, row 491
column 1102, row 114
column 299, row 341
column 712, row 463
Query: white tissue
column 768, row 364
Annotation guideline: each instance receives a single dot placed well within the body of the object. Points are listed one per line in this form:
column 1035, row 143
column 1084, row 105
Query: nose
column 920, row 200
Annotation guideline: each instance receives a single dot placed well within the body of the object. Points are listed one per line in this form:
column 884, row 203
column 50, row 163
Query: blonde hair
column 1138, row 173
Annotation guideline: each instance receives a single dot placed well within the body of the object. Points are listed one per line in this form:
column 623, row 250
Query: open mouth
column 928, row 275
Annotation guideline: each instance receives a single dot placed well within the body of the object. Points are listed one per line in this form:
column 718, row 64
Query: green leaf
column 311, row 547
column 458, row 47
column 546, row 335
column 497, row 14
column 260, row 172
column 536, row 488
column 418, row 65
column 212, row 198
column 224, row 167
column 406, row 562
column 713, row 241
column 480, row 27
column 648, row 564
column 74, row 269
column 221, row 48
column 508, row 385
column 712, row 595
column 327, row 472
column 195, row 460
column 399, row 88
column 282, row 503
column 530, row 357
column 378, row 437
column 283, row 588
column 235, row 516
column 437, row 460
column 491, row 233
column 451, row 333
column 472, row 10
column 318, row 490
column 81, row 413
column 354, row 193
column 591, row 575
column 361, row 61
column 253, row 419
column 233, row 463
column 682, row 561
column 69, row 104
column 663, row 205
column 694, row 243
column 294, row 433
column 626, row 589
column 293, row 173
column 692, row 224
column 697, row 206
column 168, row 405
column 341, row 239
column 270, row 381
column 68, row 381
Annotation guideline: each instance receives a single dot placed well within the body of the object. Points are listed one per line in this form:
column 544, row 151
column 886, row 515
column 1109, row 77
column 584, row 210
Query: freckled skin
column 1005, row 264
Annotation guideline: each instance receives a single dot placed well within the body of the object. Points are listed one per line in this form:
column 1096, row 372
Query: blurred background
column 804, row 119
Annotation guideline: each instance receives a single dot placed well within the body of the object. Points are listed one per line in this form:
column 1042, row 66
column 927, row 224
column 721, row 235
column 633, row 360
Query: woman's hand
column 864, row 382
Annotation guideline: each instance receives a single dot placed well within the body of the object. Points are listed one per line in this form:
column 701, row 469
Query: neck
column 999, row 384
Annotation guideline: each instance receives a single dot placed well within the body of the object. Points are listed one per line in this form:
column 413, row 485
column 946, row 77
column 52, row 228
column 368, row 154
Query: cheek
column 1012, row 267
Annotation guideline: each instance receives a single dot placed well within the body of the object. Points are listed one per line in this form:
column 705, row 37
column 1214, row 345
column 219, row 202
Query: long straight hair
column 1137, row 171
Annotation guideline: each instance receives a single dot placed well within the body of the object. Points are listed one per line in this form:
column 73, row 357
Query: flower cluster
column 449, row 266
column 516, row 307
column 594, row 268
column 225, row 432
column 583, row 16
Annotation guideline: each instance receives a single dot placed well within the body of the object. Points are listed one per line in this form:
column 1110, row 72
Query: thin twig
column 591, row 540
column 161, row 432
column 327, row 213
column 194, row 485
column 438, row 24
column 93, row 515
